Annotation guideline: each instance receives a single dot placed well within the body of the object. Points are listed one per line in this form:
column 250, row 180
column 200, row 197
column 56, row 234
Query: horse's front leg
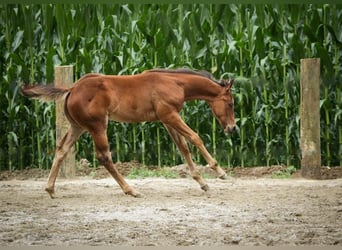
column 180, row 126
column 183, row 148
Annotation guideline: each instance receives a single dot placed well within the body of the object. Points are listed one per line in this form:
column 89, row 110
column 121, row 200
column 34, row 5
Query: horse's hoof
column 205, row 187
column 137, row 195
column 224, row 177
column 51, row 192
column 134, row 193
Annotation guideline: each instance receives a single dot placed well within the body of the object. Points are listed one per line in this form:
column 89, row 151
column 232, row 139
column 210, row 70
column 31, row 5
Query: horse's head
column 223, row 107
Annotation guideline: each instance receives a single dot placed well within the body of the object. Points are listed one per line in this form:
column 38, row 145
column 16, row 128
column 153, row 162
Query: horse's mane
column 202, row 73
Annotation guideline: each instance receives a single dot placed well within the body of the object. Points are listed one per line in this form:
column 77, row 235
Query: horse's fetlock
column 196, row 176
column 213, row 165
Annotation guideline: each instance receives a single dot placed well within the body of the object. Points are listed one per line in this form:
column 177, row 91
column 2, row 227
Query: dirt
column 250, row 208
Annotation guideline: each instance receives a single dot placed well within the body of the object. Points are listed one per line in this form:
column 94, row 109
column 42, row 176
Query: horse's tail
column 44, row 92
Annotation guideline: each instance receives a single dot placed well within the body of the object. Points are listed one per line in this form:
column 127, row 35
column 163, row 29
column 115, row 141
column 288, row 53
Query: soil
column 250, row 208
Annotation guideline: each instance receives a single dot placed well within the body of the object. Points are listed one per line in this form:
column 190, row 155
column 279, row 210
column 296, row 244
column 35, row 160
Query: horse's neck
column 201, row 90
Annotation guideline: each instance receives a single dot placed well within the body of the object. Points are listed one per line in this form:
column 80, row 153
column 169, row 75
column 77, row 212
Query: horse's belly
column 133, row 117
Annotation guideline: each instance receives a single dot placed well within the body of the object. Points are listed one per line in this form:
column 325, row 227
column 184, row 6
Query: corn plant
column 259, row 45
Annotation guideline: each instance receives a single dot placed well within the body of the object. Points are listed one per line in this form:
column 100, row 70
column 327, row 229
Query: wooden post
column 310, row 118
column 64, row 78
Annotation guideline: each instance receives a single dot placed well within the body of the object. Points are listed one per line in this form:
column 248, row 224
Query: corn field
column 259, row 45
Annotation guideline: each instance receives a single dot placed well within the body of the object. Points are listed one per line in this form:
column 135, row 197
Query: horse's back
column 121, row 98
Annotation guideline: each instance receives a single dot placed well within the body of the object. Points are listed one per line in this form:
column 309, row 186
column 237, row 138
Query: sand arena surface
column 238, row 211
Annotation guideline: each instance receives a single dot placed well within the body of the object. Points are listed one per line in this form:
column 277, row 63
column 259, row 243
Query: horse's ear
column 229, row 84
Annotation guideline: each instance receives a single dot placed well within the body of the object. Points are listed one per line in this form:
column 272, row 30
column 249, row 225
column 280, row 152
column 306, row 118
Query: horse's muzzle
column 229, row 129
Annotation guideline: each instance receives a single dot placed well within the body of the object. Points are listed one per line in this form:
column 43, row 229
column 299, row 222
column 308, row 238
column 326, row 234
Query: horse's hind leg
column 62, row 150
column 104, row 156
column 183, row 147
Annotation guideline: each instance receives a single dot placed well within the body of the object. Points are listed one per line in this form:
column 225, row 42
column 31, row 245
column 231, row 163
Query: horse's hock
column 64, row 77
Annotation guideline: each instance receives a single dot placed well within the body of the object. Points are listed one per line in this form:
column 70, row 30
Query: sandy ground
column 238, row 211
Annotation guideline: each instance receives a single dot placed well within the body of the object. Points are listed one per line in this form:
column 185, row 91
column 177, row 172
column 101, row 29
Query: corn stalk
column 262, row 44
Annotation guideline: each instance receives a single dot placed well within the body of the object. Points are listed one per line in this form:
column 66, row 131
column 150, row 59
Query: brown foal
column 154, row 95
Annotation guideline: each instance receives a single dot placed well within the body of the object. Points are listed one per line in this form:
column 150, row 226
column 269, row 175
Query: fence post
column 64, row 78
column 310, row 118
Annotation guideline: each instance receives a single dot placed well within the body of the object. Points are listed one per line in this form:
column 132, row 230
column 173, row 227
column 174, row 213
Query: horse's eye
column 230, row 105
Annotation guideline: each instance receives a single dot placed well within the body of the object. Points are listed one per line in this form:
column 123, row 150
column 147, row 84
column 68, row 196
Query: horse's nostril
column 231, row 129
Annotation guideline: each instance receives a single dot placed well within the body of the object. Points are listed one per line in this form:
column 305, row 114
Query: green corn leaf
column 17, row 40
